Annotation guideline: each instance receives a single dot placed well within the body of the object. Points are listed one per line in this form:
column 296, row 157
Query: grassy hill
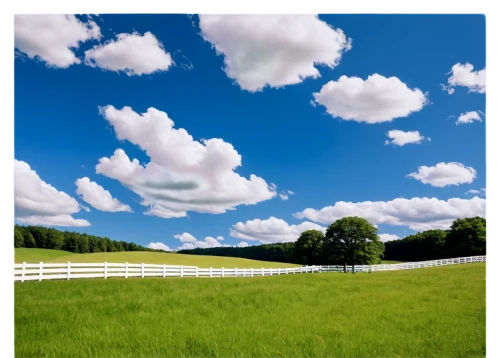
column 45, row 255
column 432, row 312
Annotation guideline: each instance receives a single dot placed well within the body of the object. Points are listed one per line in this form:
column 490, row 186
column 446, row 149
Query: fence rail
column 68, row 270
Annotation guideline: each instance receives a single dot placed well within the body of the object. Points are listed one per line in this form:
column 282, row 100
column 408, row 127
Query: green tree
column 29, row 240
column 102, row 245
column 39, row 234
column 308, row 247
column 83, row 244
column 352, row 240
column 18, row 238
column 111, row 246
column 54, row 240
column 71, row 242
column 467, row 237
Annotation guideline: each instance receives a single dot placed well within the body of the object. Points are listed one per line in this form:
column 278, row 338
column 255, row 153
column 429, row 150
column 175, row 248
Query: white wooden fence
column 57, row 271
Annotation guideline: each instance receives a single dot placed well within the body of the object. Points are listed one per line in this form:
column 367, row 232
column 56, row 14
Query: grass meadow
column 148, row 257
column 432, row 312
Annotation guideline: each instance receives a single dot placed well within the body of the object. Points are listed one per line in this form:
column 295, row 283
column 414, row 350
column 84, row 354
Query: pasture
column 55, row 256
column 431, row 312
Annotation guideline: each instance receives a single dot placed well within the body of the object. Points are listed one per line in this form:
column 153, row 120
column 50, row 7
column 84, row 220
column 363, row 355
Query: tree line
column 49, row 238
column 348, row 241
column 466, row 237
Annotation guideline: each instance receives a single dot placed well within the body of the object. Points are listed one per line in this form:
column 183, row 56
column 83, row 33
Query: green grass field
column 391, row 262
column 37, row 255
column 432, row 312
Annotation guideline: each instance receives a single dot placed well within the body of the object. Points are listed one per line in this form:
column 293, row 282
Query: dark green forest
column 48, row 238
column 466, row 237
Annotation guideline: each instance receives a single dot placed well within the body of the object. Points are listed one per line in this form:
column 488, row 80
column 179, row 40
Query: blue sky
column 281, row 137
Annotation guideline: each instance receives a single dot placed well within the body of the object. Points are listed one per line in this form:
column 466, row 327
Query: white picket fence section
column 66, row 271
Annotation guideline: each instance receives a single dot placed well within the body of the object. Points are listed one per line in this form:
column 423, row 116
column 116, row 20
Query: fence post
column 23, row 272
column 263, row 271
column 105, row 269
column 164, row 270
column 222, row 271
column 142, row 270
column 182, row 271
column 235, row 272
column 68, row 269
column 210, row 272
column 251, row 272
column 279, row 271
column 244, row 272
column 196, row 271
column 126, row 269
column 40, row 273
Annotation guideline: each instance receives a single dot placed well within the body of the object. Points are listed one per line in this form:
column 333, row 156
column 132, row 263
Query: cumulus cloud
column 417, row 213
column 185, row 237
column 190, row 242
column 469, row 117
column 39, row 203
column 271, row 230
column 95, row 195
column 183, row 174
column 53, row 38
column 464, row 75
column 158, row 246
column 290, row 192
column 401, row 138
column 131, row 53
column 481, row 192
column 273, row 50
column 443, row 174
column 388, row 237
column 378, row 99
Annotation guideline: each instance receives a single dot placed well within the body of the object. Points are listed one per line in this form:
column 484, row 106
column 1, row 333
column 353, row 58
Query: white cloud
column 273, row 50
column 443, row 174
column 482, row 192
column 388, row 237
column 158, row 246
column 448, row 89
column 271, row 230
column 39, row 203
column 416, row 213
column 464, row 75
column 86, row 208
column 52, row 38
column 242, row 244
column 283, row 196
column 185, row 237
column 190, row 242
column 378, row 99
column 401, row 138
column 98, row 197
column 469, row 117
column 290, row 192
column 131, row 53
column 183, row 174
